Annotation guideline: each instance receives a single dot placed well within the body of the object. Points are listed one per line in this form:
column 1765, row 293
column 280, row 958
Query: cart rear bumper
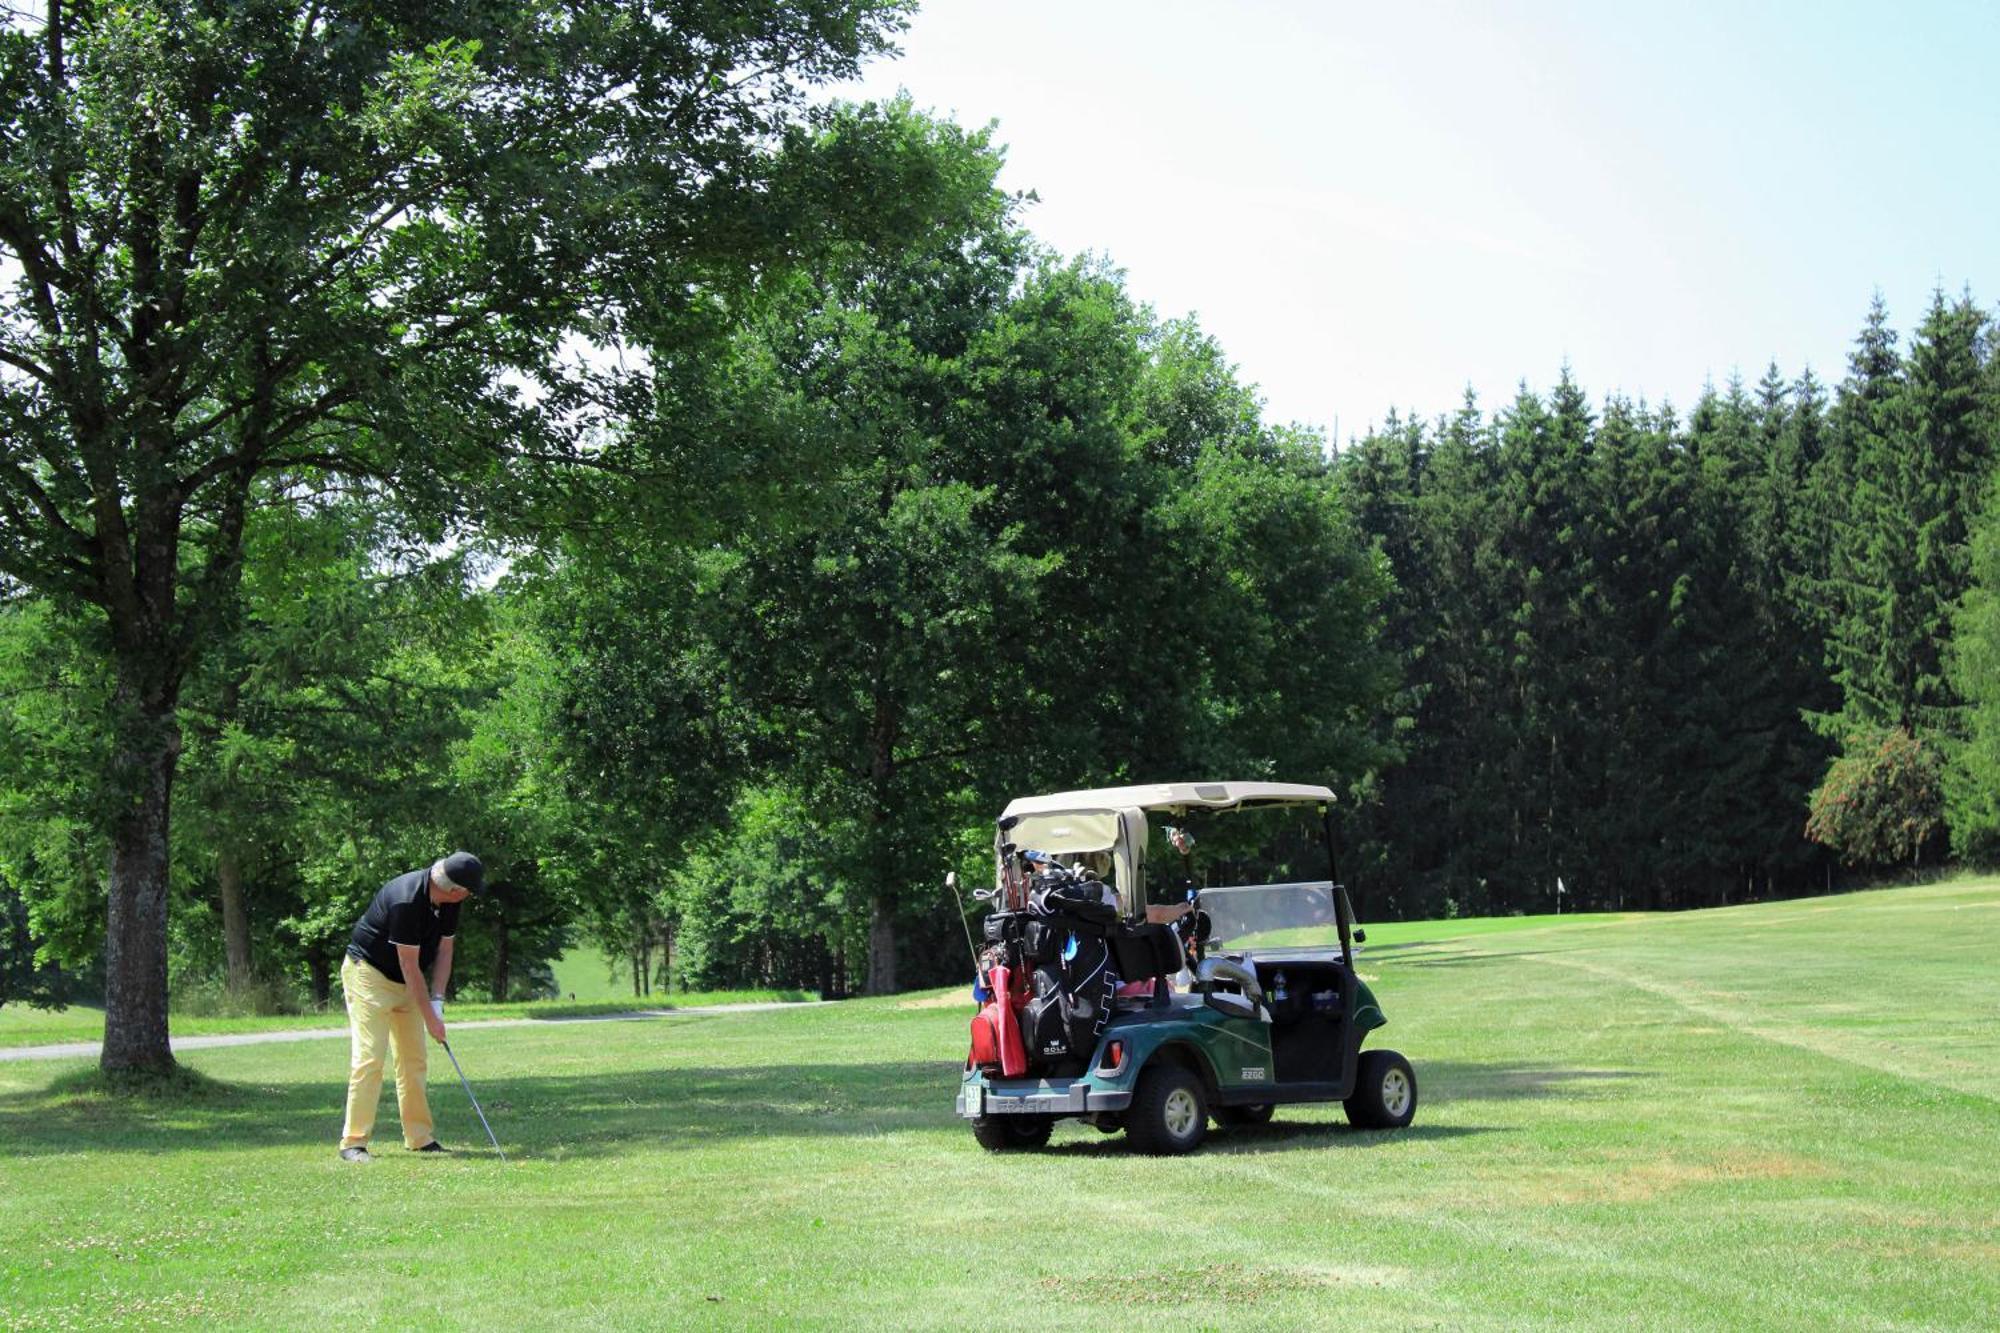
column 1038, row 1097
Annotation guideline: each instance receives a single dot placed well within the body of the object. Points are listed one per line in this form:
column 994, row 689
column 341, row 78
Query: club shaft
column 474, row 1100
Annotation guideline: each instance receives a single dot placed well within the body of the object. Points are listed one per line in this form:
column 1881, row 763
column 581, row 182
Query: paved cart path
column 70, row 1050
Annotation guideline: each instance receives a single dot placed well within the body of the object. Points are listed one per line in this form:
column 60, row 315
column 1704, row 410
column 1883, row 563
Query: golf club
column 951, row 882
column 474, row 1100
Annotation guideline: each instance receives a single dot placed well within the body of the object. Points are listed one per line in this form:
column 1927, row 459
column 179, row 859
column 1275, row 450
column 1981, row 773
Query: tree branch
column 59, row 176
column 34, row 368
column 44, row 274
column 19, row 480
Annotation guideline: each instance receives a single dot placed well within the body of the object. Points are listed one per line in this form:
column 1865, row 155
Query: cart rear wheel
column 1169, row 1114
column 1385, row 1092
column 1012, row 1133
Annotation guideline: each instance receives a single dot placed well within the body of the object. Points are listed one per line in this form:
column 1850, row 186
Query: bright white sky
column 1376, row 205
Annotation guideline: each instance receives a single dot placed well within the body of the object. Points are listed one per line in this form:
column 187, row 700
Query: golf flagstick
column 474, row 1100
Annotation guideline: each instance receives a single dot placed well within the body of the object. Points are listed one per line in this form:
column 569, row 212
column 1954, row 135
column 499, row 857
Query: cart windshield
column 1272, row 918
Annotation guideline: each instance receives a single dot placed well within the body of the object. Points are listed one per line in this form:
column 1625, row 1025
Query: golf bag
column 1052, row 978
column 1072, row 999
column 1055, row 968
column 1064, row 938
column 1062, row 893
column 996, row 1033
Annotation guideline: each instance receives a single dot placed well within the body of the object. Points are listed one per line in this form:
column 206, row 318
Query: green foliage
column 26, row 977
column 210, row 997
column 1048, row 545
column 319, row 738
column 1920, row 449
column 1626, row 641
column 253, row 252
column 1882, row 802
column 858, row 515
column 1585, row 613
column 55, row 750
column 754, row 904
column 1972, row 775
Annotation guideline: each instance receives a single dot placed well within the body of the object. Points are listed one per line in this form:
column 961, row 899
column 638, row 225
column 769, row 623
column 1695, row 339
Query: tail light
column 1114, row 1058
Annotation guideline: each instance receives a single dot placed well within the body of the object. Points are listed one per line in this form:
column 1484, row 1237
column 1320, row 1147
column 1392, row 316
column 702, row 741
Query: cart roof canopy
column 1174, row 798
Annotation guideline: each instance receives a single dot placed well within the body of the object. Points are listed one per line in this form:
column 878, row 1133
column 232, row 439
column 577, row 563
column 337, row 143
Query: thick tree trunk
column 881, row 948
column 500, row 961
column 319, row 967
column 135, row 946
column 235, row 921
column 881, row 779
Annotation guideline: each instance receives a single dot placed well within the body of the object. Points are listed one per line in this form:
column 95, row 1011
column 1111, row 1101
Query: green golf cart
column 1154, row 1020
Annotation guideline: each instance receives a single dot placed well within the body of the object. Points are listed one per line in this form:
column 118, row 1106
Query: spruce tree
column 1899, row 558
column 1972, row 777
column 1462, row 733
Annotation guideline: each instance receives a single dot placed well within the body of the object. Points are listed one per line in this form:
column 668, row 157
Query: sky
column 1377, row 206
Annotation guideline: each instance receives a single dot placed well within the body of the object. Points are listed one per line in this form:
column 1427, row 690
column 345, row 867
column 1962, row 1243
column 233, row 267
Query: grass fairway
column 585, row 973
column 1782, row 1116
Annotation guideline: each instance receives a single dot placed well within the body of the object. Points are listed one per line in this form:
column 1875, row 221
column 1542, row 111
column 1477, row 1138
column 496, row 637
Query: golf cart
column 1080, row 1014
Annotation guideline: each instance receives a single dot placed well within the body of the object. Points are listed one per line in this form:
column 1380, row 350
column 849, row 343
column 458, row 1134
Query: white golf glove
column 437, row 1003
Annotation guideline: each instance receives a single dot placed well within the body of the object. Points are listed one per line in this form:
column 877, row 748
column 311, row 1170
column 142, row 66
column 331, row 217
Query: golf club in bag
column 474, row 1100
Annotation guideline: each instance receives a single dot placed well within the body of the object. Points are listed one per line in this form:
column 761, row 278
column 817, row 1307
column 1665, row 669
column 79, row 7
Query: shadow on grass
column 1499, row 1081
column 562, row 1011
column 594, row 1115
column 1281, row 1135
column 582, row 1116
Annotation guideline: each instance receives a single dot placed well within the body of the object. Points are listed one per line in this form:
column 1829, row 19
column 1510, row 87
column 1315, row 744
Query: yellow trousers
column 381, row 1015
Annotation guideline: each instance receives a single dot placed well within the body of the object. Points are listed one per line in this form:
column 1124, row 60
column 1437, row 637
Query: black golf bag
column 1075, row 978
column 1075, row 952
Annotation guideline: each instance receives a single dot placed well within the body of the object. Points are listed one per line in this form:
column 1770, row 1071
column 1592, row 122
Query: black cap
column 463, row 870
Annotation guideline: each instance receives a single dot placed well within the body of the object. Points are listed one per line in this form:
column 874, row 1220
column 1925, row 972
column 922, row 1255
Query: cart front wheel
column 1385, row 1092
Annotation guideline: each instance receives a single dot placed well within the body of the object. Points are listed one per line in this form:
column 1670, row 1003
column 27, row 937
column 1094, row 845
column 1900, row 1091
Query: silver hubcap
column 1181, row 1113
column 1395, row 1092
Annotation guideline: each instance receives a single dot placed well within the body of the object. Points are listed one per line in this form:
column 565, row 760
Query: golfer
column 405, row 933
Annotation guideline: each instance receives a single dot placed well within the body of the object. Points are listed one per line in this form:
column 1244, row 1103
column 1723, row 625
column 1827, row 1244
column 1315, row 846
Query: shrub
column 1882, row 801
column 210, row 998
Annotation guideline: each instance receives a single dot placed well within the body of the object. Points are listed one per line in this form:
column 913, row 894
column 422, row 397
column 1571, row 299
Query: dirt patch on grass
column 1233, row 1284
column 1766, row 1166
column 1649, row 1180
column 1978, row 1253
column 1639, row 1182
column 1982, row 1252
column 949, row 1000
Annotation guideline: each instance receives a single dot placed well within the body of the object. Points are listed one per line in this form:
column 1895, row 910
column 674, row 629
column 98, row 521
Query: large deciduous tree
column 1050, row 545
column 246, row 239
column 332, row 707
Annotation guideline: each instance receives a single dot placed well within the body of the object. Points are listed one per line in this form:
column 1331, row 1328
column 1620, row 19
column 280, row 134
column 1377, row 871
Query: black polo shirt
column 403, row 913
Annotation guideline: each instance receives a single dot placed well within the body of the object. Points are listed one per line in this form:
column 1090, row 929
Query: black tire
column 1237, row 1116
column 1013, row 1133
column 1169, row 1112
column 1385, row 1092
